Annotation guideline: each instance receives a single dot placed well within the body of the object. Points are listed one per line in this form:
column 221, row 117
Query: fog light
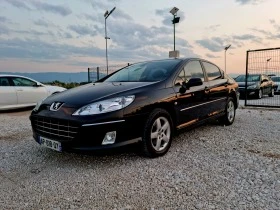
column 109, row 138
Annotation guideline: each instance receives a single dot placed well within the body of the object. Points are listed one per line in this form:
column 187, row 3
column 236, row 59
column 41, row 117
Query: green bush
column 65, row 85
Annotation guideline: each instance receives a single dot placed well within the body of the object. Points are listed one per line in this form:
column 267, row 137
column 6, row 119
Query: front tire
column 272, row 92
column 229, row 116
column 157, row 135
column 260, row 94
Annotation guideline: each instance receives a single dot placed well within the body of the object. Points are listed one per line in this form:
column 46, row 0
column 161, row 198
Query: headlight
column 253, row 87
column 109, row 105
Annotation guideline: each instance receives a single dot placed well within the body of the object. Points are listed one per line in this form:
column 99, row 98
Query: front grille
column 54, row 128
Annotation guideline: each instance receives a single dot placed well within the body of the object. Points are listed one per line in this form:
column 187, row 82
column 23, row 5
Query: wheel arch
column 170, row 109
column 232, row 94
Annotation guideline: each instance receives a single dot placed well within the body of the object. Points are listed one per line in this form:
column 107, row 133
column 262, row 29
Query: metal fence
column 97, row 73
column 262, row 62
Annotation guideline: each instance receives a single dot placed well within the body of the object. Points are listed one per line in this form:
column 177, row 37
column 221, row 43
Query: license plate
column 55, row 145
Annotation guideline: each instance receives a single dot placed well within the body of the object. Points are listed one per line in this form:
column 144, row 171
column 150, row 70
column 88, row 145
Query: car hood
column 243, row 84
column 93, row 92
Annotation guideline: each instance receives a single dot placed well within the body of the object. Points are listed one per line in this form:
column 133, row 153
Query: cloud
column 119, row 14
column 41, row 22
column 243, row 2
column 275, row 25
column 217, row 44
column 214, row 44
column 245, row 37
column 18, row 3
column 211, row 56
column 269, row 34
column 33, row 32
column 4, row 30
column 82, row 30
column 3, row 19
column 213, row 27
column 272, row 21
column 56, row 9
column 40, row 50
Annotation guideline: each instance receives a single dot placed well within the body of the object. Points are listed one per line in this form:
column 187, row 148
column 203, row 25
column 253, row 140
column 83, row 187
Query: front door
column 190, row 105
column 27, row 91
column 8, row 95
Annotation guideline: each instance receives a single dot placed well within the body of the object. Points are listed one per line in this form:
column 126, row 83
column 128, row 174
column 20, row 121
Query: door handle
column 19, row 89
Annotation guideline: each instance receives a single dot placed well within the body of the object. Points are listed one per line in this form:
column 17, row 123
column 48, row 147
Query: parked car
column 276, row 80
column 142, row 103
column 18, row 91
column 257, row 85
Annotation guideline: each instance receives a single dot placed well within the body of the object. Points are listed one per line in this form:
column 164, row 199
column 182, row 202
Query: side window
column 193, row 69
column 213, row 72
column 23, row 82
column 4, row 81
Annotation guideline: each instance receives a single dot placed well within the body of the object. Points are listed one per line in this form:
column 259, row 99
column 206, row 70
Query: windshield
column 275, row 79
column 145, row 72
column 251, row 78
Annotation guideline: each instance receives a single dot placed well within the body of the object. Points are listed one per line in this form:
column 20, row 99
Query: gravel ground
column 210, row 167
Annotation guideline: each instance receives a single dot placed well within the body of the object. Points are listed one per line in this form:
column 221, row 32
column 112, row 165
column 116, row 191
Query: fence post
column 246, row 77
column 97, row 73
column 88, row 75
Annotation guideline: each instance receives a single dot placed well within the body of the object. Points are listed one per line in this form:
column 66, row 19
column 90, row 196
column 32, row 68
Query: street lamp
column 175, row 20
column 267, row 60
column 226, row 48
column 106, row 15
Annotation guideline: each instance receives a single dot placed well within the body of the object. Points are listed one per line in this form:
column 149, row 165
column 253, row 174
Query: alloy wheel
column 160, row 134
column 230, row 111
column 260, row 94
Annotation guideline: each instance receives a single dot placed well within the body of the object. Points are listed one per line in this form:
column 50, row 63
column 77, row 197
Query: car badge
column 56, row 106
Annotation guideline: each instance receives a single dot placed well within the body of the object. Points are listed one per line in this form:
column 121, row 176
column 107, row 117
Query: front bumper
column 250, row 92
column 85, row 135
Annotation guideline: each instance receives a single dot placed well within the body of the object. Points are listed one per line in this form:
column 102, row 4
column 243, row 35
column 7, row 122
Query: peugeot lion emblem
column 55, row 106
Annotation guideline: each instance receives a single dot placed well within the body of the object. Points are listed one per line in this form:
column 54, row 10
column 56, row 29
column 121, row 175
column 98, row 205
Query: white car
column 18, row 91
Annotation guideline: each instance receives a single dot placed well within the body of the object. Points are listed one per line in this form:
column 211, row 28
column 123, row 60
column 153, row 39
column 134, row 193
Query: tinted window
column 193, row 69
column 4, row 81
column 276, row 79
column 145, row 72
column 18, row 81
column 212, row 71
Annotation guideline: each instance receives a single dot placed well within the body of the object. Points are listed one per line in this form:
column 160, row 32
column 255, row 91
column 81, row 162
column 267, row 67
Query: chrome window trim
column 201, row 104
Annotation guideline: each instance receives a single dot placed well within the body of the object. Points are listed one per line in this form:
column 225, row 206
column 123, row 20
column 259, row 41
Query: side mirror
column 191, row 83
column 37, row 84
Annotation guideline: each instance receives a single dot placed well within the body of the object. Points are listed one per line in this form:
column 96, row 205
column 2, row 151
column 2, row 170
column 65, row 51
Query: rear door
column 217, row 87
column 27, row 90
column 8, row 95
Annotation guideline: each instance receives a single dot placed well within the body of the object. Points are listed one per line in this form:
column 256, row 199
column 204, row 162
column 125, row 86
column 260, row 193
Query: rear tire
column 157, row 135
column 229, row 116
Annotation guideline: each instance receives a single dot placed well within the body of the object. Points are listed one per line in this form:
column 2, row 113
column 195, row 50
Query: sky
column 68, row 35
